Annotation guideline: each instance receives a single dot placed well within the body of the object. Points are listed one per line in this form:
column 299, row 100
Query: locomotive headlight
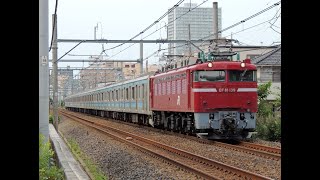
column 210, row 64
column 243, row 64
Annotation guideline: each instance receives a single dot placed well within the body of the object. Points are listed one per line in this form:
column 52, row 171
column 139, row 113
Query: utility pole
column 55, row 71
column 141, row 58
column 43, row 69
column 95, row 30
column 189, row 38
column 147, row 66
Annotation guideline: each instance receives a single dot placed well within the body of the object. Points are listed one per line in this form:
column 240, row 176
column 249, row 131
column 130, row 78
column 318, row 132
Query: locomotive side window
column 245, row 75
column 212, row 76
column 173, row 87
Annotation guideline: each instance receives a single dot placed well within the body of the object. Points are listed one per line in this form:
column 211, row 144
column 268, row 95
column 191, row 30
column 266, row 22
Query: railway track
column 240, row 146
column 261, row 147
column 198, row 165
column 249, row 148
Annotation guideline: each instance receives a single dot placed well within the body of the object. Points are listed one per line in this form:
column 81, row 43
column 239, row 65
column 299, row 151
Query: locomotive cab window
column 243, row 75
column 211, row 76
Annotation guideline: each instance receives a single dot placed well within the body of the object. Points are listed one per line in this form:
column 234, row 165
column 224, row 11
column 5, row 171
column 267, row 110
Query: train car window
column 211, row 76
column 127, row 93
column 142, row 91
column 243, row 75
column 117, row 95
column 137, row 92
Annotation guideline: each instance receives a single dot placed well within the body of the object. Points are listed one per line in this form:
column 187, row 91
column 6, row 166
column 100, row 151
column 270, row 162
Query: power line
column 54, row 23
column 157, row 29
column 177, row 18
column 251, row 27
column 158, row 20
column 70, row 50
column 245, row 21
column 252, row 16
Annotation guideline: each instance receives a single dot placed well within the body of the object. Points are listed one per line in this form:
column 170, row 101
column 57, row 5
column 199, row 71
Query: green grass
column 47, row 168
column 92, row 169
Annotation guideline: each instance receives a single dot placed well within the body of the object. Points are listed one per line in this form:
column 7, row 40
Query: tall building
column 201, row 25
column 65, row 80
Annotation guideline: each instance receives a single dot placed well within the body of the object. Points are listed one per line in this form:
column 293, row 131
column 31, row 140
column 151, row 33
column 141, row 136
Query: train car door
column 189, row 86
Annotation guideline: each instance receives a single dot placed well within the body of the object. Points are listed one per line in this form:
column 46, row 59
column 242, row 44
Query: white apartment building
column 201, row 25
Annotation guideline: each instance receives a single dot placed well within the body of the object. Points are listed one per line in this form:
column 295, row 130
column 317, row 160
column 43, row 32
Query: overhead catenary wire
column 252, row 16
column 144, row 30
column 246, row 19
column 177, row 18
column 71, row 49
column 156, row 30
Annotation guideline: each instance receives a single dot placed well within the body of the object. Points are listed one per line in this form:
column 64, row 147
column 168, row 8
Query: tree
column 264, row 108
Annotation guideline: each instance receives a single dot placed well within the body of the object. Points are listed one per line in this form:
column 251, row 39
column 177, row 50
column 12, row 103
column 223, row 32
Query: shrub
column 269, row 128
column 50, row 119
column 47, row 169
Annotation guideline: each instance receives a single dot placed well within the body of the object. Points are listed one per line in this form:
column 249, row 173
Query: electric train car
column 214, row 100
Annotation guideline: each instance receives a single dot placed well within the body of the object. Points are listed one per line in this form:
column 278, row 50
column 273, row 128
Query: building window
column 270, row 74
column 276, row 76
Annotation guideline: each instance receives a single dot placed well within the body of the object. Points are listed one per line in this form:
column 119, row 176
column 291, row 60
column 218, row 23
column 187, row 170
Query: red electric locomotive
column 216, row 99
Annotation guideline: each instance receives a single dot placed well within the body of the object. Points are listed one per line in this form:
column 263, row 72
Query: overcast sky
column 123, row 19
